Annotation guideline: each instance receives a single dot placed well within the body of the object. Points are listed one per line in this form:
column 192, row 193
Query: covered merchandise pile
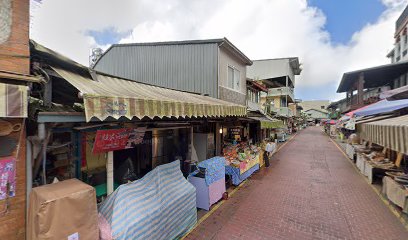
column 63, row 210
column 209, row 181
column 161, row 205
column 395, row 188
column 374, row 163
column 378, row 160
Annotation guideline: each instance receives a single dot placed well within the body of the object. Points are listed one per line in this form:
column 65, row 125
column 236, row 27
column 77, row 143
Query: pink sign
column 7, row 177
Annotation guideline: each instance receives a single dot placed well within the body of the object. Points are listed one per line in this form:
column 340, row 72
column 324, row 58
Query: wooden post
column 360, row 90
column 399, row 159
column 109, row 172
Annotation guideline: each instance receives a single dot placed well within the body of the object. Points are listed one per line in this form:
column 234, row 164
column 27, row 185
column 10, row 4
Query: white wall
column 272, row 68
column 226, row 59
column 237, row 96
column 316, row 114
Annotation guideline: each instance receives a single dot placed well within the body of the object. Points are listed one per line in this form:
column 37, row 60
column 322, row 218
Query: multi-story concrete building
column 364, row 86
column 399, row 52
column 279, row 77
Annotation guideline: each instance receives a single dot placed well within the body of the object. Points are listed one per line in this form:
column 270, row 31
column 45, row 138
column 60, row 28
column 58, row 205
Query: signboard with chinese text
column 110, row 140
column 117, row 139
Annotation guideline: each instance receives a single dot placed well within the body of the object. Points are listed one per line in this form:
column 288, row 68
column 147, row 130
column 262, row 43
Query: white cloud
column 260, row 28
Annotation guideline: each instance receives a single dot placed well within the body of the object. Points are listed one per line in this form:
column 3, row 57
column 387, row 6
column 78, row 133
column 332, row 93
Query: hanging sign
column 110, row 140
column 117, row 139
column 7, row 177
column 136, row 137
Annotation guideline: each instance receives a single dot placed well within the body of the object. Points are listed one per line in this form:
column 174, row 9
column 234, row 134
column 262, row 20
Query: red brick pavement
column 310, row 192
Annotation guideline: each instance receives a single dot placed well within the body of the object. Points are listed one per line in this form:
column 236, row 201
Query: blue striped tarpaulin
column 161, row 205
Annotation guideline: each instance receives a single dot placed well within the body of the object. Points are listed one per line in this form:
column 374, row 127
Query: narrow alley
column 310, row 191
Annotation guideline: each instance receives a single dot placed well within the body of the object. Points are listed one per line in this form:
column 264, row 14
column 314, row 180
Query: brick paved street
column 310, row 192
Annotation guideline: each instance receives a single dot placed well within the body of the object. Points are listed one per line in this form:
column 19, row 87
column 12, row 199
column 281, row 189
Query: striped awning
column 106, row 96
column 271, row 124
column 267, row 122
column 391, row 133
column 13, row 100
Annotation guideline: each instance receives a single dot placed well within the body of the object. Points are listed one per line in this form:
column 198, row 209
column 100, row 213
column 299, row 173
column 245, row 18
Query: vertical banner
column 7, row 177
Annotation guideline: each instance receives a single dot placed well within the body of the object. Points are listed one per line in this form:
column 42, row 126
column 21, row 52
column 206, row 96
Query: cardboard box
column 65, row 210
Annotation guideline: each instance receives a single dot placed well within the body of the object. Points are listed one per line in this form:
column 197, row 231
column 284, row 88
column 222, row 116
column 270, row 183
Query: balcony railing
column 282, row 91
column 282, row 111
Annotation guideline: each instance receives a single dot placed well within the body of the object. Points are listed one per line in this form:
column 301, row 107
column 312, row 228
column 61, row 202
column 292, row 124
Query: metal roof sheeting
column 186, row 67
column 107, row 96
column 390, row 133
column 373, row 77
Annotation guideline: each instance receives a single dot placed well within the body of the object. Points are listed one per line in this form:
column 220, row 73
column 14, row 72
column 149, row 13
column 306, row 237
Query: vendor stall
column 395, row 188
column 209, row 181
column 375, row 164
column 241, row 161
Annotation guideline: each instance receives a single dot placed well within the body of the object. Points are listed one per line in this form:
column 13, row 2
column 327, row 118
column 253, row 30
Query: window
column 234, row 77
column 396, row 83
column 322, row 107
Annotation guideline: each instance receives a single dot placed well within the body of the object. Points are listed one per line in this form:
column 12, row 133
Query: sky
column 330, row 37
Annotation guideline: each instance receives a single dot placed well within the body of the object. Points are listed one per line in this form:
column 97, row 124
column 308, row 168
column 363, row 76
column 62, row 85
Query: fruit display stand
column 241, row 161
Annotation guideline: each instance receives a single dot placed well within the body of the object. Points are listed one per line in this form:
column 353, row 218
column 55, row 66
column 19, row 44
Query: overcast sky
column 330, row 37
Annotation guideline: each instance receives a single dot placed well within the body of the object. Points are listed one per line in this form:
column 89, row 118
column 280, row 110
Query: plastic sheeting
column 214, row 169
column 236, row 176
column 382, row 106
column 161, row 205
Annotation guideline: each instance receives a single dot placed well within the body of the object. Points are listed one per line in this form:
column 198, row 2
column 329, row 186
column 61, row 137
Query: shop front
column 117, row 131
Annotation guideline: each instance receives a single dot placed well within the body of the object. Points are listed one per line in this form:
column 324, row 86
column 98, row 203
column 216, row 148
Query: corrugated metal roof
column 108, row 96
column 220, row 41
column 373, row 77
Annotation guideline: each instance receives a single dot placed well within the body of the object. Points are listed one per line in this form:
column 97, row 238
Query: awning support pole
column 109, row 172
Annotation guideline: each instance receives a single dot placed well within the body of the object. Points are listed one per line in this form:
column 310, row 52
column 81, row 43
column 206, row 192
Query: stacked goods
column 378, row 160
column 235, row 155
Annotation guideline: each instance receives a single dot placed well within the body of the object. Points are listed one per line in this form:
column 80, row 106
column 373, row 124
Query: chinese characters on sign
column 116, row 108
column 7, row 176
column 110, row 140
column 117, row 139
